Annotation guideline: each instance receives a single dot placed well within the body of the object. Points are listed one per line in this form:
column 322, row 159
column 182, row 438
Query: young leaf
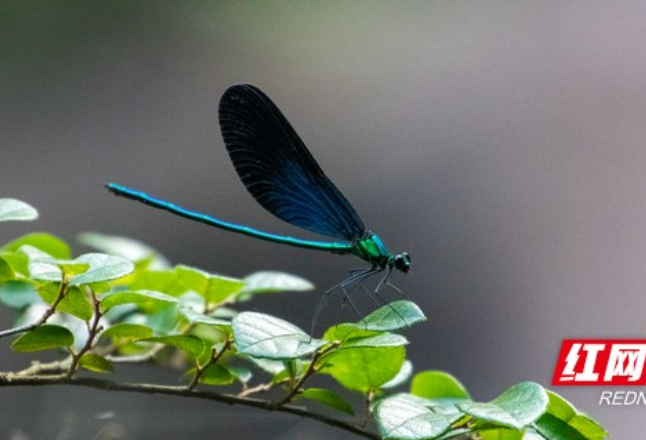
column 503, row 433
column 44, row 337
column 162, row 319
column 563, row 421
column 345, row 332
column 165, row 281
column 241, row 374
column 42, row 266
column 96, row 363
column 45, row 272
column 517, row 407
column 17, row 261
column 198, row 318
column 438, row 385
column 51, row 245
column 215, row 375
column 365, row 369
column 265, row 336
column 18, row 294
column 72, row 268
column 103, row 267
column 393, row 316
column 273, row 367
column 124, row 333
column 12, row 209
column 214, row 288
column 328, row 398
column 76, row 303
column 402, row 419
column 404, row 374
column 6, row 272
column 269, row 282
column 143, row 298
column 192, row 345
column 379, row 340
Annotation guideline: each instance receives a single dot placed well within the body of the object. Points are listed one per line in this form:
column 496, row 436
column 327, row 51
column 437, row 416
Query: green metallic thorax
column 372, row 250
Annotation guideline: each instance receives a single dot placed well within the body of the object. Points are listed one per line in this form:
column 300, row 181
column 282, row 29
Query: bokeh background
column 501, row 144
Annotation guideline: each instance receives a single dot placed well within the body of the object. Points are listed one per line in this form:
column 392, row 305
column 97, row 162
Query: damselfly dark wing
column 278, row 170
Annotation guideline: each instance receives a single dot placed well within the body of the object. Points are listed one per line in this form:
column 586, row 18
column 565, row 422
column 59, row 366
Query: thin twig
column 311, row 369
column 93, row 329
column 366, row 410
column 9, row 379
column 200, row 369
column 257, row 389
column 43, row 319
column 136, row 358
column 44, row 369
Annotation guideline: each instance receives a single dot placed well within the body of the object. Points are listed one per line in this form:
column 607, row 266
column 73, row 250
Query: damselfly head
column 401, row 262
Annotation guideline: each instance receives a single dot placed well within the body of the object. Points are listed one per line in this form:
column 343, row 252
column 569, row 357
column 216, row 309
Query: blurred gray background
column 500, row 144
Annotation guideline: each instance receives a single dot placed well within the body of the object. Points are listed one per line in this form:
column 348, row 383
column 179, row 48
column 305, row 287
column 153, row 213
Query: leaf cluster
column 125, row 303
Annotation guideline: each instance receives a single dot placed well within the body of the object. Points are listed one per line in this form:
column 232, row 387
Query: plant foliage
column 127, row 304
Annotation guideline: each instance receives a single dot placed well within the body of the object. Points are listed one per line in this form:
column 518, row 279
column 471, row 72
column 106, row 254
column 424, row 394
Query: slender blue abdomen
column 340, row 248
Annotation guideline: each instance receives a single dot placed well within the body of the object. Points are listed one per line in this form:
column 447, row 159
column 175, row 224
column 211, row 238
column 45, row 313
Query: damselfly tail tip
column 114, row 188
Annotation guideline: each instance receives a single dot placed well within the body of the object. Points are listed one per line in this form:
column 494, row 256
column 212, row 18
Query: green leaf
column 270, row 282
column 403, row 419
column 562, row 421
column 51, row 245
column 192, row 345
column 131, row 250
column 6, row 271
column 103, row 267
column 18, row 294
column 45, row 337
column 215, row 375
column 142, row 298
column 161, row 318
column 393, row 316
column 49, row 291
column 438, row 385
column 273, row 367
column 12, row 209
column 379, row 340
column 214, row 288
column 265, row 336
column 241, row 374
column 17, row 261
column 75, row 302
column 96, row 363
column 405, row 372
column 124, row 333
column 365, row 369
column 42, row 266
column 100, row 287
column 328, row 398
column 45, row 272
column 72, row 268
column 165, row 281
column 507, row 434
column 198, row 318
column 517, row 407
column 346, row 332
